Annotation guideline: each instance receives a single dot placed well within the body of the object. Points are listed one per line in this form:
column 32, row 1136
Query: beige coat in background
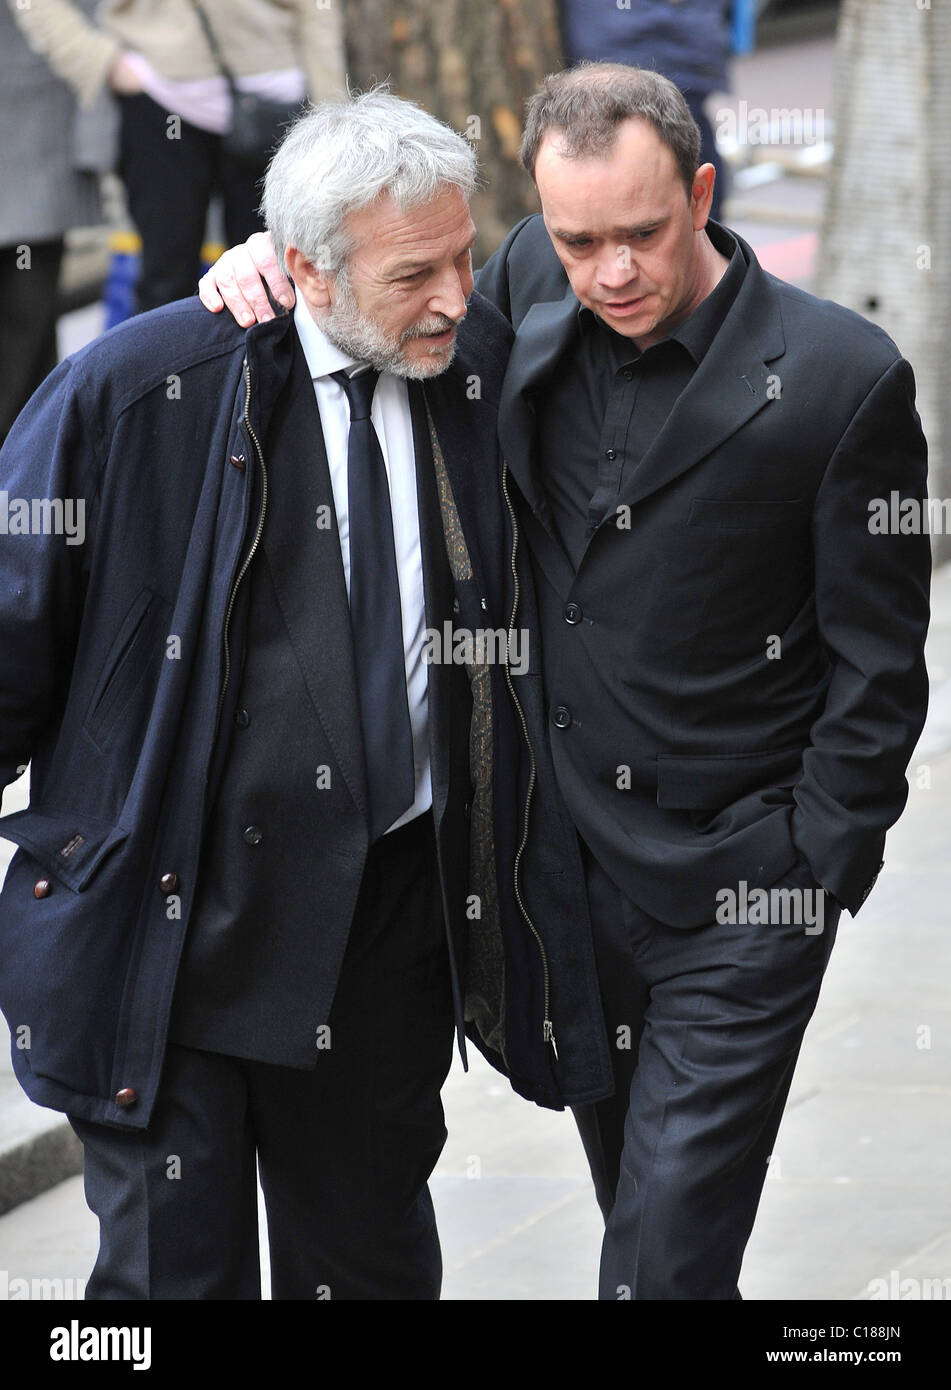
column 254, row 35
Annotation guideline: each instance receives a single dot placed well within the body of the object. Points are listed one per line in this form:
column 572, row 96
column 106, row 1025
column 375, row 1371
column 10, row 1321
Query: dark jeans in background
column 169, row 184
column 28, row 322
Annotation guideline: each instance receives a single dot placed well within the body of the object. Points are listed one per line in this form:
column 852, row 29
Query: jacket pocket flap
column 69, row 847
column 728, row 515
column 691, row 782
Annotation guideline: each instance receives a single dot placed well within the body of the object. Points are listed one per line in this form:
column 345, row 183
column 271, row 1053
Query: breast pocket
column 134, row 654
column 737, row 514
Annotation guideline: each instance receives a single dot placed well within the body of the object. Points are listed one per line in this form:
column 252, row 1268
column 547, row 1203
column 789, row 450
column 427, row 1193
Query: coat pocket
column 709, row 782
column 130, row 657
column 71, row 848
column 726, row 514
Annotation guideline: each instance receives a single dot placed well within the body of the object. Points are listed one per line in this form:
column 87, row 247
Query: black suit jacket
column 747, row 683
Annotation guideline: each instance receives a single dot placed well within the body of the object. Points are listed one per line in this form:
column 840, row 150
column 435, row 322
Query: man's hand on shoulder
column 236, row 281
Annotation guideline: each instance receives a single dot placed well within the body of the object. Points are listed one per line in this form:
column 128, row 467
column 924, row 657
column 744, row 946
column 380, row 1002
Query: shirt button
column 610, row 454
column 242, row 719
column 573, row 613
column 253, row 835
column 561, row 716
column 168, row 884
column 628, row 375
column 237, row 461
column 126, row 1097
column 42, row 888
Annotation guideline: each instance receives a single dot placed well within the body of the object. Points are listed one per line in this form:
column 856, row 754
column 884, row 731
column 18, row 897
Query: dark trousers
column 29, row 278
column 344, row 1151
column 169, row 183
column 705, row 1027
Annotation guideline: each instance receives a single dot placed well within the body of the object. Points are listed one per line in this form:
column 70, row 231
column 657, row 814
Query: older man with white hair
column 271, row 853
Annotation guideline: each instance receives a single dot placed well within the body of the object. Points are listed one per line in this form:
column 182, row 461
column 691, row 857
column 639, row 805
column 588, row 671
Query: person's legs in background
column 241, row 184
column 29, row 278
column 168, row 167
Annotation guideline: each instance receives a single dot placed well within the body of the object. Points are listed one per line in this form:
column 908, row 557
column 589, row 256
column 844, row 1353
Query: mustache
column 438, row 324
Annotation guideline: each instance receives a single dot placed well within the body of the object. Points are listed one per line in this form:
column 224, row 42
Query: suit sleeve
column 41, row 562
column 872, row 614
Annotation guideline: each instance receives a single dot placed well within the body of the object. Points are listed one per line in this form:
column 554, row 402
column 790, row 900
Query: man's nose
column 451, row 295
column 616, row 268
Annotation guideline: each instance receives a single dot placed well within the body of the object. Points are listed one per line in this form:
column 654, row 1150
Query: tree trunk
column 885, row 246
column 472, row 63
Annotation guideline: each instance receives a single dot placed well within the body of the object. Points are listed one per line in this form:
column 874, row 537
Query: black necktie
column 376, row 616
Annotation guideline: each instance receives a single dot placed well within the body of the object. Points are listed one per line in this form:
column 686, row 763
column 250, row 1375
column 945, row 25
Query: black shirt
column 605, row 403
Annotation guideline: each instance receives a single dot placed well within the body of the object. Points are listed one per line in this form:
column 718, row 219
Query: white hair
column 341, row 156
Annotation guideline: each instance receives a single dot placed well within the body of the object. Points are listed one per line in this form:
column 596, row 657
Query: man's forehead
column 625, row 190
column 388, row 227
column 633, row 132
column 637, row 165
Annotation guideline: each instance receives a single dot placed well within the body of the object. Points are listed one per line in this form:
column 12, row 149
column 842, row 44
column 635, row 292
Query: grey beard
column 356, row 334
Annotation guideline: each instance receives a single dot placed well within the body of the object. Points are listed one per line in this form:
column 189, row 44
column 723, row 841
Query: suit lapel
column 543, row 335
column 302, row 546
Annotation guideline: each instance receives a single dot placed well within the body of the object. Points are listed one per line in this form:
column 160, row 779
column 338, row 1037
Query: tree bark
column 472, row 63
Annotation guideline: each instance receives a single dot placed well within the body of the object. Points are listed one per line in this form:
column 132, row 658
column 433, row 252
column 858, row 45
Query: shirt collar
column 322, row 356
column 697, row 332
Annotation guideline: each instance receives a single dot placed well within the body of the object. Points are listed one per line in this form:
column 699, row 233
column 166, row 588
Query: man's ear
column 701, row 196
column 312, row 283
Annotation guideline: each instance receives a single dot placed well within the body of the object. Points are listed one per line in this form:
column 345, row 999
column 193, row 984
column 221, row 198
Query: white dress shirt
column 390, row 415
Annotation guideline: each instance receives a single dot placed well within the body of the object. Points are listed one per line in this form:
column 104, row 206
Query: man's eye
column 580, row 244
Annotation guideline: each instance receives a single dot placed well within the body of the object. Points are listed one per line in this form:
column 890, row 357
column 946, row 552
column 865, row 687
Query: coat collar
column 728, row 388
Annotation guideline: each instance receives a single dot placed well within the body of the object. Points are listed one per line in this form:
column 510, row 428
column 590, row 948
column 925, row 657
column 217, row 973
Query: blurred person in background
column 170, row 64
column 51, row 154
column 685, row 40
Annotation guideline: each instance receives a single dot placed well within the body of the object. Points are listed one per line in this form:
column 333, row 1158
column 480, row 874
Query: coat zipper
column 254, row 544
column 548, row 1031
